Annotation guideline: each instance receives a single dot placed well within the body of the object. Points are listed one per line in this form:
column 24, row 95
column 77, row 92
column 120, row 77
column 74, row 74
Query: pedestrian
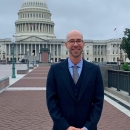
column 75, row 91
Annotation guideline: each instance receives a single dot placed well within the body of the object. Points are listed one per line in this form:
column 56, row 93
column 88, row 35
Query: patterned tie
column 75, row 74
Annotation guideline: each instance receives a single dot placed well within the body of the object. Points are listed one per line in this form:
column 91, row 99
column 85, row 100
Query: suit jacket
column 63, row 108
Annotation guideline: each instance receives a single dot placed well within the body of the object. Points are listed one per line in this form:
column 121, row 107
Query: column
column 24, row 48
column 97, row 49
column 50, row 48
column 93, row 50
column 29, row 27
column 20, row 48
column 35, row 49
column 9, row 50
column 39, row 47
column 32, row 27
column 100, row 49
column 48, row 28
column 35, row 27
column 31, row 49
column 15, row 28
column 25, row 27
column 39, row 27
column 22, row 27
column 57, row 50
column 53, row 29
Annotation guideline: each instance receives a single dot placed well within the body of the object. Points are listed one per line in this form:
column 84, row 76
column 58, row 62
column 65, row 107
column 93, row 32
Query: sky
column 95, row 19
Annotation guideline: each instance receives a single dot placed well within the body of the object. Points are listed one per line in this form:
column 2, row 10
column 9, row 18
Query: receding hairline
column 74, row 31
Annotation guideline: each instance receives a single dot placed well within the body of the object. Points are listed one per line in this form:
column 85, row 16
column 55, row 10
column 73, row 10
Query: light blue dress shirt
column 79, row 69
column 79, row 66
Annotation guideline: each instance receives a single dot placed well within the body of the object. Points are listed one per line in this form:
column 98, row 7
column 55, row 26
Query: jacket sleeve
column 97, row 102
column 51, row 98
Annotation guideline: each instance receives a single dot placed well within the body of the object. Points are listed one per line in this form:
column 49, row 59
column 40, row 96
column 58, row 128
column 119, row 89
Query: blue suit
column 64, row 109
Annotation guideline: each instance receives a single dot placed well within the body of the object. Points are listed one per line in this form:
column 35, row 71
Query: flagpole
column 116, row 33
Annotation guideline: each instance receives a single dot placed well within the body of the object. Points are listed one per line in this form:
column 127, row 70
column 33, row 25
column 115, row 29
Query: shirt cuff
column 85, row 128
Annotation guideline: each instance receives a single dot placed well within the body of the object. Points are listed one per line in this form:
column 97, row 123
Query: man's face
column 75, row 44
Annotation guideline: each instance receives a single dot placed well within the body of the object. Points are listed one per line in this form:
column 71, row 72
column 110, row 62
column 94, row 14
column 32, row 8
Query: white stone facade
column 35, row 30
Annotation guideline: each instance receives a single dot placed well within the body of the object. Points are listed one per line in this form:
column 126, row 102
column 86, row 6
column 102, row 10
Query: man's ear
column 66, row 44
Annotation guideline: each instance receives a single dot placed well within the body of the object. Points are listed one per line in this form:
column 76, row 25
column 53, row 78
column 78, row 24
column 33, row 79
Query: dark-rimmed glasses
column 78, row 41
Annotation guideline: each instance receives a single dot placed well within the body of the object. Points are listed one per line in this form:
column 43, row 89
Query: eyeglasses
column 78, row 41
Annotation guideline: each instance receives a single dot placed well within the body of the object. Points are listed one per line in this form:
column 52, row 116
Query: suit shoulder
column 92, row 64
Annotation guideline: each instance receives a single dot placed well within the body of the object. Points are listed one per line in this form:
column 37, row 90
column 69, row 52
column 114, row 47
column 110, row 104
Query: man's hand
column 73, row 128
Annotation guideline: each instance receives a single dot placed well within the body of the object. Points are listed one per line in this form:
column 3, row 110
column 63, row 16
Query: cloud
column 96, row 19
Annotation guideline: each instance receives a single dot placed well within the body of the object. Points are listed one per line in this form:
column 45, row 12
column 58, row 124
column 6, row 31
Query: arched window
column 114, row 59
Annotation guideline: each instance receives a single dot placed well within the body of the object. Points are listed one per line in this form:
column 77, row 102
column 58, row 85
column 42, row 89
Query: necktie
column 75, row 74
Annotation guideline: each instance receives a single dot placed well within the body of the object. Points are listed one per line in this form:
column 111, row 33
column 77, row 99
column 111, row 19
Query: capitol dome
column 34, row 3
column 34, row 19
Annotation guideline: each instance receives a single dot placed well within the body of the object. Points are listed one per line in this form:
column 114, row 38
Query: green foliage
column 125, row 45
column 125, row 67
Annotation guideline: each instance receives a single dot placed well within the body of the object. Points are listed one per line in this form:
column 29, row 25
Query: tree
column 125, row 67
column 125, row 45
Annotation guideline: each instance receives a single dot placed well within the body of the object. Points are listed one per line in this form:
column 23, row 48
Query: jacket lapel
column 64, row 73
column 86, row 76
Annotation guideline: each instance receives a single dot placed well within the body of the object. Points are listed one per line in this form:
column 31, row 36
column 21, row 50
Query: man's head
column 75, row 44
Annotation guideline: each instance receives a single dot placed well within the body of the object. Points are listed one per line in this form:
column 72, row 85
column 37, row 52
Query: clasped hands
column 74, row 128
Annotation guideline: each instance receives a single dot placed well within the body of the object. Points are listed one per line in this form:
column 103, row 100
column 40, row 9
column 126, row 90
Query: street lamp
column 13, row 63
column 120, row 60
column 28, row 59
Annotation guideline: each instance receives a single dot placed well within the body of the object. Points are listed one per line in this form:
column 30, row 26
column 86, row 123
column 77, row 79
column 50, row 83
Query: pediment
column 33, row 39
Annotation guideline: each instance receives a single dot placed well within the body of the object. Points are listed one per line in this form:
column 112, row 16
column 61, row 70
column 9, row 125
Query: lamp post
column 120, row 60
column 13, row 63
column 28, row 59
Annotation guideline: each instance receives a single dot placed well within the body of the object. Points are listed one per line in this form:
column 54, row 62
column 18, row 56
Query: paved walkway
column 23, row 106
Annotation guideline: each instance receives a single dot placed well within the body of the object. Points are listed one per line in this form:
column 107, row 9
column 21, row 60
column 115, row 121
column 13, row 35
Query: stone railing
column 4, row 82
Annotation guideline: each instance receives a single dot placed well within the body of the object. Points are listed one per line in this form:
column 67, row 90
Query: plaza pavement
column 23, row 104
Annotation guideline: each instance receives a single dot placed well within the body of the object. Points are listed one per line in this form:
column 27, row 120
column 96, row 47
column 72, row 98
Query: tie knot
column 75, row 66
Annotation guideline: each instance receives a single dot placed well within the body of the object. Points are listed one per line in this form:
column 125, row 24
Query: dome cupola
column 34, row 19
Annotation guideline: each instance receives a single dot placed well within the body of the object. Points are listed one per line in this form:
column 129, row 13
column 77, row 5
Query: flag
column 115, row 29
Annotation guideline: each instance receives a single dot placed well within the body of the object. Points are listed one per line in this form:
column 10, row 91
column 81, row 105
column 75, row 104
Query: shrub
column 125, row 67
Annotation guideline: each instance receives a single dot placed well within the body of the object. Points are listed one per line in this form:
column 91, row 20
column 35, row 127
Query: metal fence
column 119, row 80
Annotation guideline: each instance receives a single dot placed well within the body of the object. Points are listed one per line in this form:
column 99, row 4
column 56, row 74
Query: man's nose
column 75, row 44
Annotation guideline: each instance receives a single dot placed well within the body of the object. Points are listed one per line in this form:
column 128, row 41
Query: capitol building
column 34, row 30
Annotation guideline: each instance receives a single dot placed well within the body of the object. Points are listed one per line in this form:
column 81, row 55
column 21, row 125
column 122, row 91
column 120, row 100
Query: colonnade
column 115, row 49
column 34, row 27
column 99, row 50
column 21, row 50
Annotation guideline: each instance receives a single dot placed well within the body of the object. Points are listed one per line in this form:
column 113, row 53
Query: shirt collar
column 70, row 64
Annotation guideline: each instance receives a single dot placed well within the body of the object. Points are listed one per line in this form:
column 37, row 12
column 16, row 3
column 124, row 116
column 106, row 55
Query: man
column 75, row 91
